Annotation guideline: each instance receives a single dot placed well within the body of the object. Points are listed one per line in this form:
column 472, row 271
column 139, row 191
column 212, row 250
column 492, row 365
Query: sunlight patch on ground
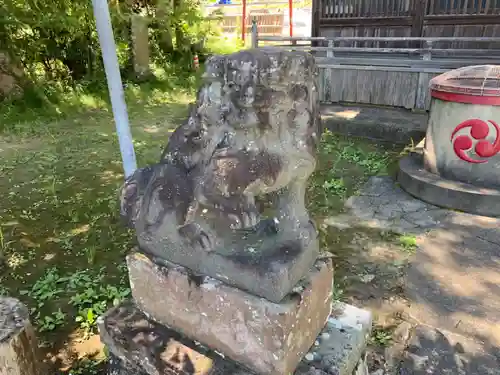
column 15, row 260
column 79, row 230
column 151, row 129
column 76, row 349
column 110, row 176
column 92, row 102
column 49, row 256
column 347, row 114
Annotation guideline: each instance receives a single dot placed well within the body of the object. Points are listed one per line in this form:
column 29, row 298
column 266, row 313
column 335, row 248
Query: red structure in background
column 244, row 18
column 244, row 21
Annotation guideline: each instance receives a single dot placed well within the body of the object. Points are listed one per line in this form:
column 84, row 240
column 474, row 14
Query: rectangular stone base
column 267, row 337
column 140, row 346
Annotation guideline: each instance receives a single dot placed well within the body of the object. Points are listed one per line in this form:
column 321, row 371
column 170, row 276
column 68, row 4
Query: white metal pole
column 115, row 87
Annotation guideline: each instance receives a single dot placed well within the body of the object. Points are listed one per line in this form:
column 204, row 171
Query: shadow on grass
column 61, row 214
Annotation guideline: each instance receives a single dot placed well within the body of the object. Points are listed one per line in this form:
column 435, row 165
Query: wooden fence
column 407, row 18
column 390, row 76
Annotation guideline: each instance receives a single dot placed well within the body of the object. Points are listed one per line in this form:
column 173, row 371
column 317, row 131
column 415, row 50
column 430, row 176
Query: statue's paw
column 196, row 237
column 203, row 241
column 129, row 203
column 246, row 220
column 131, row 194
column 267, row 227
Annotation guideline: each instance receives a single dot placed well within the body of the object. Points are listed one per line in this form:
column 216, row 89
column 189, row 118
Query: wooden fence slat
column 487, row 7
column 423, row 81
column 321, row 84
column 328, row 74
column 430, row 8
column 357, row 6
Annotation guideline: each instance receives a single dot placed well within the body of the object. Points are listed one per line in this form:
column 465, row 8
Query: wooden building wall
column 405, row 18
column 399, row 18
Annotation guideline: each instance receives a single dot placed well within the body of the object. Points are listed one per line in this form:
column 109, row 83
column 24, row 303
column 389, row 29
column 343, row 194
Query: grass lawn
column 61, row 242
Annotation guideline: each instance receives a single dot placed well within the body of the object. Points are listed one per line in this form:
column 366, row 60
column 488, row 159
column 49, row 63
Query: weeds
column 90, row 298
column 51, row 322
column 380, row 337
column 4, row 291
column 345, row 166
column 338, row 293
column 87, row 366
column 335, row 186
column 408, row 243
column 48, row 287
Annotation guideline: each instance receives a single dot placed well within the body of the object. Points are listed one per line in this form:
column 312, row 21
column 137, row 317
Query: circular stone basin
column 463, row 134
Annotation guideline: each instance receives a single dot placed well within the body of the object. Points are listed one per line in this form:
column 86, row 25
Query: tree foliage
column 57, row 39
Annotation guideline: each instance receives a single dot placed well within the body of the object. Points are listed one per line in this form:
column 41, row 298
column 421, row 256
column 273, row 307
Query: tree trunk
column 180, row 42
column 11, row 76
column 166, row 44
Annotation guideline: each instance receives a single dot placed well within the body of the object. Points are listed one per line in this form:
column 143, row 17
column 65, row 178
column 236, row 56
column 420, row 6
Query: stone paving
column 452, row 284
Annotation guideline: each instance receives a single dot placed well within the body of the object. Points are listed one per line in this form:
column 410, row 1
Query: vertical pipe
column 290, row 16
column 115, row 88
column 243, row 21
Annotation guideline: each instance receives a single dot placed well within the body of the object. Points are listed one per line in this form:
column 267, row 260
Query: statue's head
column 261, row 102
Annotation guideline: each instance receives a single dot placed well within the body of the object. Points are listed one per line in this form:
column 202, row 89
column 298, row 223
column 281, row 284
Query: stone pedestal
column 267, row 337
column 138, row 345
column 18, row 344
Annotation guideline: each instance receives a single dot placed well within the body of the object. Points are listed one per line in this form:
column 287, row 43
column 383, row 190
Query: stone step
column 139, row 345
column 395, row 125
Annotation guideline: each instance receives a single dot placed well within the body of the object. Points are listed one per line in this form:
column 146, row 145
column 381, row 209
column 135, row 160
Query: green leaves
column 93, row 300
column 46, row 288
column 51, row 322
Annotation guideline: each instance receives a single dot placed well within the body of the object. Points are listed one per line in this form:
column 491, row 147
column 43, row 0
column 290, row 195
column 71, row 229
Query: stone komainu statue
column 253, row 131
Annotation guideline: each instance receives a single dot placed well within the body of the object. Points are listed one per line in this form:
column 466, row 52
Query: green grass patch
column 344, row 164
column 408, row 243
